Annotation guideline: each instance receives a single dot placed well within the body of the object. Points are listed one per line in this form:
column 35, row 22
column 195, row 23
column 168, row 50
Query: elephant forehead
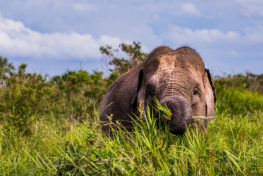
column 171, row 76
column 172, row 69
column 176, row 75
column 172, row 62
column 167, row 62
column 176, row 78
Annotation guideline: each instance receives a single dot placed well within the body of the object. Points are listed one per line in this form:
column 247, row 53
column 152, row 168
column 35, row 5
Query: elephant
column 177, row 78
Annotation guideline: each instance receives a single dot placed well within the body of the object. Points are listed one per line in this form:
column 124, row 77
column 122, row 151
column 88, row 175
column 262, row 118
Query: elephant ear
column 210, row 94
column 139, row 84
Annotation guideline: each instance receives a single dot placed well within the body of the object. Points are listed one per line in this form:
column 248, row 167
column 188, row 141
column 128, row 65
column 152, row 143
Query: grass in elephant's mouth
column 163, row 109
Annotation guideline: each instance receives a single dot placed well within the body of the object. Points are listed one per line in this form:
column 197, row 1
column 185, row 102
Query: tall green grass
column 238, row 101
column 51, row 127
column 232, row 145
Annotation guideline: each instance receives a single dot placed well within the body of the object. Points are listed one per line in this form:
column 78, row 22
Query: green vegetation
column 51, row 127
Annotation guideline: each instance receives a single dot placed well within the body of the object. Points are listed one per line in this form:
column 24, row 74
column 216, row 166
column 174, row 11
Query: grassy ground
column 233, row 145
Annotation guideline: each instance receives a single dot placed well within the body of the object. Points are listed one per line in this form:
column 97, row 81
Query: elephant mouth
column 179, row 128
column 199, row 123
column 181, row 113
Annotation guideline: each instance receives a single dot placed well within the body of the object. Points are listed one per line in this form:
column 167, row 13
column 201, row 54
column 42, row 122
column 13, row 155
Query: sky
column 53, row 36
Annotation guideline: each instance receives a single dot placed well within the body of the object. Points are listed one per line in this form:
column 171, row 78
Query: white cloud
column 180, row 35
column 251, row 8
column 190, row 8
column 20, row 41
column 187, row 35
column 84, row 7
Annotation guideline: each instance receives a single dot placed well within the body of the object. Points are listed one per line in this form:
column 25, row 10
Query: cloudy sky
column 52, row 36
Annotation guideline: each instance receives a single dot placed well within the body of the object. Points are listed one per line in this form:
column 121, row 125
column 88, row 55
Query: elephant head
column 178, row 79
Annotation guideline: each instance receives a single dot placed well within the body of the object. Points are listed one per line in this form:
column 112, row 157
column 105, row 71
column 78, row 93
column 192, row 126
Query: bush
column 79, row 93
column 26, row 98
column 249, row 81
column 22, row 99
column 237, row 100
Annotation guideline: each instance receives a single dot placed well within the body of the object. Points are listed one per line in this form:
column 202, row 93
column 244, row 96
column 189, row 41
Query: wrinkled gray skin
column 178, row 78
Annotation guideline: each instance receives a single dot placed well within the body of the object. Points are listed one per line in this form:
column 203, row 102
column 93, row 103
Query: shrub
column 22, row 98
column 237, row 100
column 28, row 97
column 249, row 81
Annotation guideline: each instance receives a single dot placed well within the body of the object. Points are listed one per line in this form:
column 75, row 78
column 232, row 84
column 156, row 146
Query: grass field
column 233, row 144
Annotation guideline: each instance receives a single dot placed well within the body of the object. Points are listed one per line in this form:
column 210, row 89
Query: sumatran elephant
column 177, row 78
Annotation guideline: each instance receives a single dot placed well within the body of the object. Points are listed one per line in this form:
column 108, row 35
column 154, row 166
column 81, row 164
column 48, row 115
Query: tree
column 123, row 64
column 6, row 69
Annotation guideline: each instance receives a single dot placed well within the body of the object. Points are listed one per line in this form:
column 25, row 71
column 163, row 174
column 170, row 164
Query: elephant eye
column 195, row 96
column 196, row 91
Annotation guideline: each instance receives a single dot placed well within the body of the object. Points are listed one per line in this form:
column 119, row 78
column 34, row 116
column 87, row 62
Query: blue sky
column 52, row 36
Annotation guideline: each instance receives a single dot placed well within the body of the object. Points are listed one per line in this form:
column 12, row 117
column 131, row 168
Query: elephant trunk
column 182, row 113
